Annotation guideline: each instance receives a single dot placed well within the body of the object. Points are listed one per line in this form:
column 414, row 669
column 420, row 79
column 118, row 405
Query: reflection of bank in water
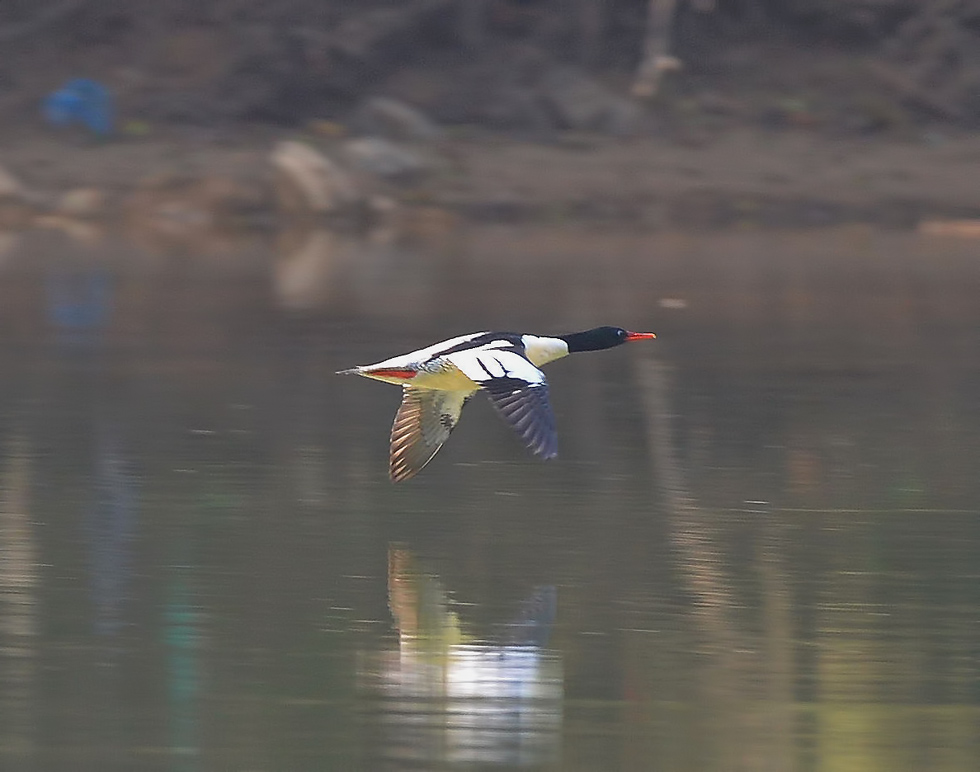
column 19, row 580
column 378, row 273
column 444, row 699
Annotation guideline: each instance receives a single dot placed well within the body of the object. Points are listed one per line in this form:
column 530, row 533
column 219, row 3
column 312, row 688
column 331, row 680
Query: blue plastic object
column 82, row 101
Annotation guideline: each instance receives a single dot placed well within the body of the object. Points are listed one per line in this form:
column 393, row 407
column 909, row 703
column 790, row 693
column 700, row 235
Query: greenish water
column 758, row 549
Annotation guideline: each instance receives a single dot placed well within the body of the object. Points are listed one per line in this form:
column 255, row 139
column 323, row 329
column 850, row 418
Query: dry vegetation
column 291, row 60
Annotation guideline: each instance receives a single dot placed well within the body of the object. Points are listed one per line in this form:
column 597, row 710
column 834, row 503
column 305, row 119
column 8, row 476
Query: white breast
column 541, row 350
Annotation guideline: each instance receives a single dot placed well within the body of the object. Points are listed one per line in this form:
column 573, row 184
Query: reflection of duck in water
column 439, row 379
column 448, row 698
column 420, row 607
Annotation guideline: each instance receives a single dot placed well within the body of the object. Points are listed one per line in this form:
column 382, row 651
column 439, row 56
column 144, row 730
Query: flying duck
column 439, row 379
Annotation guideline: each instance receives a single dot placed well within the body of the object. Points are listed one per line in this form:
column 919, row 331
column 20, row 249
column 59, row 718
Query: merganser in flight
column 439, row 379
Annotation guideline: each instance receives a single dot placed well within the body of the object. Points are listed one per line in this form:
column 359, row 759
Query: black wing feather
column 528, row 411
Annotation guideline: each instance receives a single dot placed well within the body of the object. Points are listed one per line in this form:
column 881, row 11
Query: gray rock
column 384, row 158
column 516, row 107
column 10, row 186
column 313, row 182
column 582, row 103
column 391, row 119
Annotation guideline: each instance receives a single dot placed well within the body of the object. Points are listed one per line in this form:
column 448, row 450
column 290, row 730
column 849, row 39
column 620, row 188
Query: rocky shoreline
column 356, row 112
column 393, row 164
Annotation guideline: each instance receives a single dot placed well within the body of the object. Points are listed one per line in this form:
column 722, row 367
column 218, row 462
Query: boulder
column 18, row 204
column 391, row 119
column 10, row 186
column 168, row 204
column 83, row 232
column 81, row 202
column 582, row 103
column 385, row 159
column 310, row 181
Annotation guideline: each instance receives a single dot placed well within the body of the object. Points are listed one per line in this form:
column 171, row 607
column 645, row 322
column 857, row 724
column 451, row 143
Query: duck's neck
column 590, row 340
column 541, row 349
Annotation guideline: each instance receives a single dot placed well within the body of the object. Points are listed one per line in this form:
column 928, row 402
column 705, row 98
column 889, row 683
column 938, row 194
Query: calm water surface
column 759, row 549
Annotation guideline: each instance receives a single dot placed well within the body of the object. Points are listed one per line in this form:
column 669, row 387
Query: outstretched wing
column 424, row 421
column 517, row 389
column 528, row 411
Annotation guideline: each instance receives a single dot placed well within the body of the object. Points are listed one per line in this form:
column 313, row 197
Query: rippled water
column 758, row 550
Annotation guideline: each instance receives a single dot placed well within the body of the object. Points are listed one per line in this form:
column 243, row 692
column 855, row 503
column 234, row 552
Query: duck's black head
column 600, row 338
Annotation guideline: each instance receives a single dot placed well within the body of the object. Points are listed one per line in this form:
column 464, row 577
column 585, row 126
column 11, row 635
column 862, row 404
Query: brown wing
column 424, row 421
